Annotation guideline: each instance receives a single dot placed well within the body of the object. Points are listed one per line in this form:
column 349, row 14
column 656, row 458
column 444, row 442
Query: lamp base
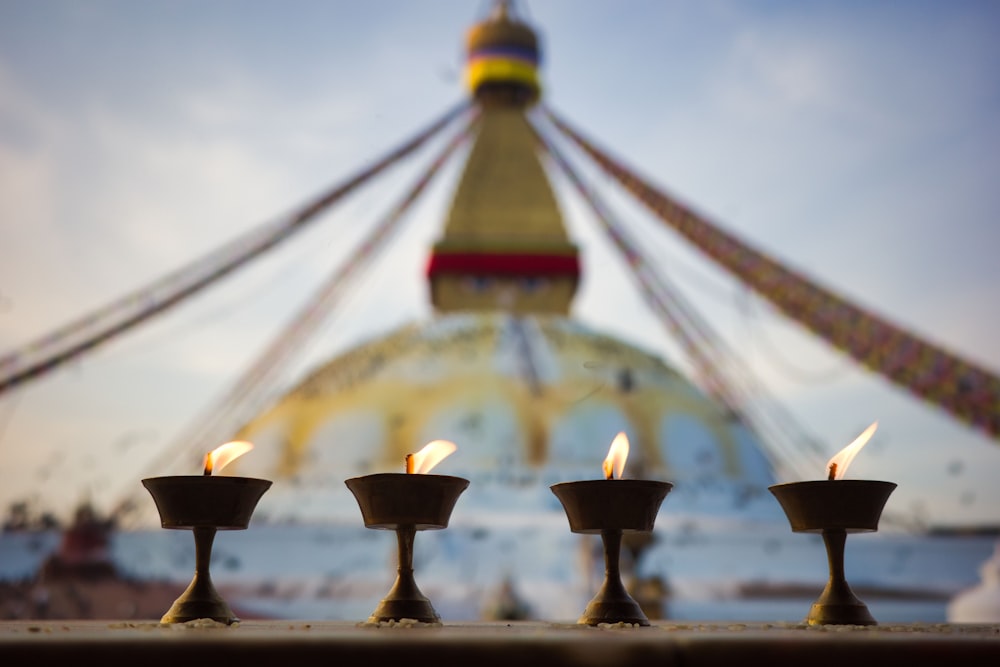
column 840, row 614
column 200, row 599
column 838, row 605
column 613, row 611
column 391, row 609
column 197, row 602
column 404, row 599
column 613, row 604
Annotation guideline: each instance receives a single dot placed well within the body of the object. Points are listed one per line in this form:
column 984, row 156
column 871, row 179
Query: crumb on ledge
column 401, row 623
column 620, row 625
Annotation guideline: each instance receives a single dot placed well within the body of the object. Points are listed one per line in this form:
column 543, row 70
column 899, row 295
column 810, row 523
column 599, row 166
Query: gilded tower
column 504, row 245
column 501, row 368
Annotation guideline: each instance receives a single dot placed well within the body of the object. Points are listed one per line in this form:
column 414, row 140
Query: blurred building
column 530, row 395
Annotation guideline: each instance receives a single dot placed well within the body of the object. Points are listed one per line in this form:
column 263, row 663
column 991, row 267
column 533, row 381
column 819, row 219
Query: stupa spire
column 504, row 246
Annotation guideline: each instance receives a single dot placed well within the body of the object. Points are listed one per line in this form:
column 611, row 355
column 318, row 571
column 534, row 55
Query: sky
column 855, row 141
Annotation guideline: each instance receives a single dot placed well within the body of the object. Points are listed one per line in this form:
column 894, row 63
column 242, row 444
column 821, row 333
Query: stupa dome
column 530, row 395
column 529, row 400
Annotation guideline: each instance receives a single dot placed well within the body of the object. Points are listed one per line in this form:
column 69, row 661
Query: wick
column 208, row 464
column 409, row 464
column 833, row 472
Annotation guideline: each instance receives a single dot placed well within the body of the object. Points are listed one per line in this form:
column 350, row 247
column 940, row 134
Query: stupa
column 502, row 368
column 529, row 394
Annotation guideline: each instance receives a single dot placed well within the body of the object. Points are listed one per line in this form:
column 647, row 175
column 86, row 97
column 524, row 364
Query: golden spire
column 504, row 246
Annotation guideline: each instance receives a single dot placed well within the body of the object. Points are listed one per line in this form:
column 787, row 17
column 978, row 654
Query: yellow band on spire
column 500, row 70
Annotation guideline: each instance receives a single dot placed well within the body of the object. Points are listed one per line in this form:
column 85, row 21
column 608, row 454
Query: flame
column 837, row 466
column 428, row 457
column 223, row 455
column 614, row 465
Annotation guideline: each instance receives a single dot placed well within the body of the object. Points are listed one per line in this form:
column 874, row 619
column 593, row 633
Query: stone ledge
column 515, row 644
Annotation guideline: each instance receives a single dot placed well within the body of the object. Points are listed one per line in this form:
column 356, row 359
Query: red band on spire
column 503, row 264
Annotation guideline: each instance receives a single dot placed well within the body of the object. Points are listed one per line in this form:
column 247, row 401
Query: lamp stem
column 204, row 538
column 404, row 537
column 835, row 540
column 613, row 604
column 838, row 604
column 404, row 599
column 612, row 558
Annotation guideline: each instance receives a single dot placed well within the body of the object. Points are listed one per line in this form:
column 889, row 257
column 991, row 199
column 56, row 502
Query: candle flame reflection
column 614, row 464
column 223, row 455
column 837, row 466
column 432, row 453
